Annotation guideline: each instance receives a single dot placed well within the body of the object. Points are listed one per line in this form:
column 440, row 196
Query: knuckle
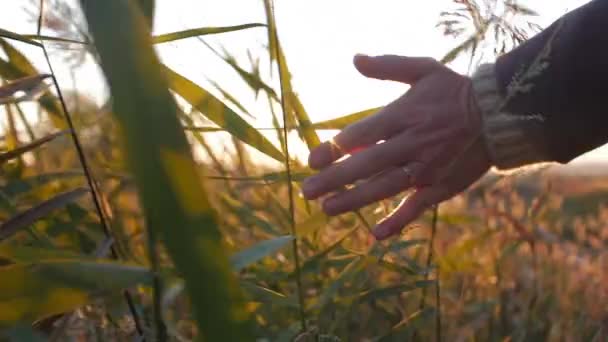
column 429, row 60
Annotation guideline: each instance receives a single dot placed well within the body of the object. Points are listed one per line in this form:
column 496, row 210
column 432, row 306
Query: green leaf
column 292, row 104
column 401, row 331
column 313, row 262
column 19, row 66
column 31, row 87
column 6, row 156
column 343, row 121
column 27, row 217
column 383, row 292
column 253, row 79
column 401, row 245
column 17, row 187
column 27, row 254
column 220, row 114
column 258, row 251
column 312, row 224
column 272, row 29
column 201, row 31
column 262, row 294
column 351, row 270
column 29, row 292
column 230, row 98
column 173, row 197
column 12, row 35
column 54, row 39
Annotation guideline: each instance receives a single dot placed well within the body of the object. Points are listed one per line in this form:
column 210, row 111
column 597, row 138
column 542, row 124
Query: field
column 165, row 215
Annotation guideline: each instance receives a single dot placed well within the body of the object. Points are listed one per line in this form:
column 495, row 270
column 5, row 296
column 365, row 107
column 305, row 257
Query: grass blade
column 389, row 291
column 257, row 252
column 402, row 330
column 201, row 31
column 41, row 37
column 27, row 254
column 15, row 36
column 221, row 114
column 174, row 199
column 343, row 121
column 31, row 86
column 29, row 292
column 6, row 156
column 26, row 218
column 19, row 66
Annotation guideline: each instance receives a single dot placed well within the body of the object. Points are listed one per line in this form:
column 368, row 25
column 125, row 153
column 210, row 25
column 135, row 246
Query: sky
column 320, row 38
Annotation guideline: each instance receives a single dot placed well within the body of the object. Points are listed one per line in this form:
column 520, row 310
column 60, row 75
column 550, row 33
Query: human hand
column 429, row 140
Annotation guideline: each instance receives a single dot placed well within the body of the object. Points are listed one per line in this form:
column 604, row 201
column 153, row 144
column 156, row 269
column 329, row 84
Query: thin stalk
column 40, row 18
column 438, row 308
column 429, row 259
column 290, row 185
column 429, row 256
column 90, row 180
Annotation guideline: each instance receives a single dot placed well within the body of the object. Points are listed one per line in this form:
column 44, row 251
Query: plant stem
column 289, row 183
column 429, row 259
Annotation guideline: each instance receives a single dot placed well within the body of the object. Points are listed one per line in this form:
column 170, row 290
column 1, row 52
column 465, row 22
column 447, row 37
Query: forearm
column 550, row 102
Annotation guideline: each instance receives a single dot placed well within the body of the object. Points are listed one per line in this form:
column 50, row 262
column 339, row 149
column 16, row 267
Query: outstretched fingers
column 409, row 209
column 384, row 185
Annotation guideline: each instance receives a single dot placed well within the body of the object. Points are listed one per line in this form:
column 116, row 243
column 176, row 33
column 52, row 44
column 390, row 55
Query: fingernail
column 381, row 231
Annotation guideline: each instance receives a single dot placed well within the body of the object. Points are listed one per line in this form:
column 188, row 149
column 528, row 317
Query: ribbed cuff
column 506, row 140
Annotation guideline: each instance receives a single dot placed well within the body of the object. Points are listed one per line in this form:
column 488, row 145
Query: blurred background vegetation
column 157, row 209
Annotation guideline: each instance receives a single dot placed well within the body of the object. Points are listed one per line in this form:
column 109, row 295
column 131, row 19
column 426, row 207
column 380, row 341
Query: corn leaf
column 174, row 199
column 29, row 216
column 258, row 251
column 6, row 156
column 29, row 292
column 220, row 114
column 201, row 31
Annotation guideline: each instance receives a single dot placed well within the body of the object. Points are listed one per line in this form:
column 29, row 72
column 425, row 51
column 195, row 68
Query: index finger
column 361, row 134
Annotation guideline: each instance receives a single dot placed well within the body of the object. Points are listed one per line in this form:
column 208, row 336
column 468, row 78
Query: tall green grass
column 124, row 205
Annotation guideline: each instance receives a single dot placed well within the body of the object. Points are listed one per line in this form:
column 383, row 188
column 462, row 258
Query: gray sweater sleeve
column 546, row 100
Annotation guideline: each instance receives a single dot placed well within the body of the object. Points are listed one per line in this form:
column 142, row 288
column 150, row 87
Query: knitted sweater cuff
column 507, row 142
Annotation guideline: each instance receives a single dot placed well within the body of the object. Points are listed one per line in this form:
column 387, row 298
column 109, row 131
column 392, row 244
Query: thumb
column 396, row 68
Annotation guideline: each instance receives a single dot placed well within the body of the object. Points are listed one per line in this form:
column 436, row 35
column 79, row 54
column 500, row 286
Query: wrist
column 508, row 143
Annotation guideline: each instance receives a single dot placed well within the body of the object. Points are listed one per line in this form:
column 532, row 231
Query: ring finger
column 382, row 186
